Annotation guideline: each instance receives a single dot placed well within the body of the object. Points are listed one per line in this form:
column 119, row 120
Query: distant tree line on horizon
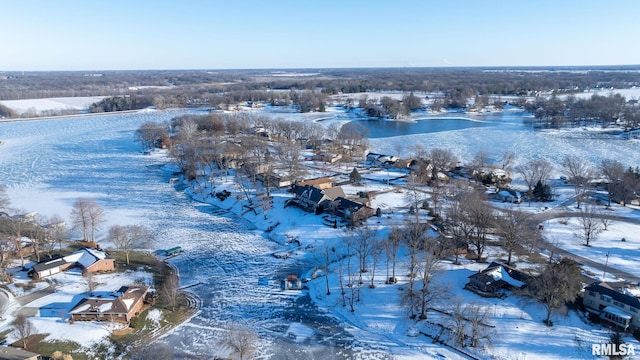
column 224, row 89
column 596, row 110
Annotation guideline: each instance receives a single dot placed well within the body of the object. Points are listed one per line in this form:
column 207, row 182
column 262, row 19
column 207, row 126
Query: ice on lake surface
column 48, row 164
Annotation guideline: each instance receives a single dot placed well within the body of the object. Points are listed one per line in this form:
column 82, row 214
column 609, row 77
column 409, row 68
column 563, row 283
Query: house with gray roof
column 615, row 306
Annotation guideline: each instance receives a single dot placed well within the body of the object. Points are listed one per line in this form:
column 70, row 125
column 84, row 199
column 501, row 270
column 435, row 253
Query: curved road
column 556, row 213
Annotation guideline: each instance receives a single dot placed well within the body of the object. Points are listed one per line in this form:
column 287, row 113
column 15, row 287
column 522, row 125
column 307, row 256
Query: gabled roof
column 348, row 204
column 318, row 181
column 119, row 302
column 606, row 289
column 311, row 193
column 49, row 264
column 86, row 257
column 498, row 272
column 334, row 192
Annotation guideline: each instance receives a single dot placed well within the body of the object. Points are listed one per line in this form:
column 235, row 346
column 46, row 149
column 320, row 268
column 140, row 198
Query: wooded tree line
column 121, row 103
column 596, row 110
column 208, row 88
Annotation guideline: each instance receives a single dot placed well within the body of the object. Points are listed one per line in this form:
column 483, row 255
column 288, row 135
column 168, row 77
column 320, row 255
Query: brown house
column 321, row 183
column 89, row 260
column 121, row 307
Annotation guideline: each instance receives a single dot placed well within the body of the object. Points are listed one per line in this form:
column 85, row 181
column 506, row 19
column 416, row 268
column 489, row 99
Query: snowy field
column 39, row 105
column 47, row 164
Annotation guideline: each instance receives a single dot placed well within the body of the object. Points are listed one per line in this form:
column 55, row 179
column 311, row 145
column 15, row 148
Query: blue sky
column 141, row 34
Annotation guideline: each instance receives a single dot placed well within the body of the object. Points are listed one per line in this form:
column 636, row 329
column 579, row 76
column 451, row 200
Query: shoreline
column 59, row 117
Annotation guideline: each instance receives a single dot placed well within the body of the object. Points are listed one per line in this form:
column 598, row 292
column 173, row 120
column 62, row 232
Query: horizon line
column 481, row 67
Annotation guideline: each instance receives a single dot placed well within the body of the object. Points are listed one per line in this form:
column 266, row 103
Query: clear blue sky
column 191, row 34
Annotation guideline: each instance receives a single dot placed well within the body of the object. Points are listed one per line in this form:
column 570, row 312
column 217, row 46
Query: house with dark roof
column 310, row 198
column 89, row 260
column 121, row 306
column 615, row 306
column 350, row 210
column 495, row 279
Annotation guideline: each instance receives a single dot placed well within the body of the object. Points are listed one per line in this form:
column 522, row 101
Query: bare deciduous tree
column 427, row 269
column 6, row 257
column 128, row 237
column 506, row 159
column 555, row 286
column 443, row 160
column 590, row 224
column 513, row 226
column 240, row 340
column 613, row 171
column 90, row 281
column 5, row 202
column 24, row 329
column 478, row 317
column 87, row 215
column 391, row 245
column 171, row 290
column 533, row 172
column 580, row 173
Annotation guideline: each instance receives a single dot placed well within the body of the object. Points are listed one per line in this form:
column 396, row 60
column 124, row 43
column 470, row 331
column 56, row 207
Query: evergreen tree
column 355, row 177
column 542, row 192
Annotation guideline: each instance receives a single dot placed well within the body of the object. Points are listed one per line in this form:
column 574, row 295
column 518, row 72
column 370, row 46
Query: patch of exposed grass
column 38, row 345
column 142, row 259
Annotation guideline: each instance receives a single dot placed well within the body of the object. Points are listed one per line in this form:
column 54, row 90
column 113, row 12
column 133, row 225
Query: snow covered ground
column 47, row 164
column 39, row 105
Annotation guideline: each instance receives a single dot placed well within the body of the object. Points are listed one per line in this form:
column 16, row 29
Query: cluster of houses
column 321, row 196
column 616, row 306
column 120, row 306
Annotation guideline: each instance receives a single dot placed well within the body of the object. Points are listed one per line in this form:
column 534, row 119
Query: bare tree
column 90, row 281
column 391, row 244
column 5, row 201
column 507, row 159
column 613, row 171
column 374, row 255
column 513, row 226
column 580, row 173
column 324, row 257
column 458, row 322
column 171, row 290
column 480, row 216
column 17, row 227
column 6, row 257
column 427, row 269
column 478, row 317
column 151, row 134
column 590, row 224
column 555, row 286
column 57, row 230
column 288, row 154
column 533, row 172
column 25, row 330
column 414, row 235
column 128, row 237
column 87, row 215
column 443, row 160
column 240, row 340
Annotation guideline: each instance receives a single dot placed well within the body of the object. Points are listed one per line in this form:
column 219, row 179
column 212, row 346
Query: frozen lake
column 48, row 164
